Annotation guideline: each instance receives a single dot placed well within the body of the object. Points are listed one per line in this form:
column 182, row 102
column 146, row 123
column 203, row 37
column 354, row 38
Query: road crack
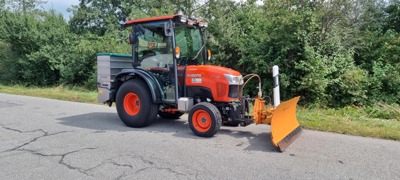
column 148, row 164
column 62, row 157
column 44, row 134
column 152, row 165
column 122, row 165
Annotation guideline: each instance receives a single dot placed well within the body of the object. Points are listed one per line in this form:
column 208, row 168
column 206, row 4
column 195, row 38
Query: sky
column 60, row 6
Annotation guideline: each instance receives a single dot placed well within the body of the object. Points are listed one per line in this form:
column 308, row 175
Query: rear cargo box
column 108, row 66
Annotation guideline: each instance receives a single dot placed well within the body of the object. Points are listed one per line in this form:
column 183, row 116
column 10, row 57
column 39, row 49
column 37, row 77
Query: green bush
column 347, row 82
column 40, row 50
column 385, row 83
column 8, row 68
column 80, row 62
column 36, row 45
column 383, row 111
column 314, row 81
column 332, row 53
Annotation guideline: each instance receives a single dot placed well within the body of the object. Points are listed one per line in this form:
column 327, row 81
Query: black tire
column 167, row 115
column 205, row 119
column 142, row 111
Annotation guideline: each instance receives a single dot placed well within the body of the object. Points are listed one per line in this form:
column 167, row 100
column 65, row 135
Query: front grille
column 234, row 91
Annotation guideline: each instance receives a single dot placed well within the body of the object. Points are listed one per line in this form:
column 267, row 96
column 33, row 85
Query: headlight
column 234, row 80
column 203, row 24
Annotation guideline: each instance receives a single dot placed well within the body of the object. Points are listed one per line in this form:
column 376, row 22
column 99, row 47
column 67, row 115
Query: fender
column 149, row 78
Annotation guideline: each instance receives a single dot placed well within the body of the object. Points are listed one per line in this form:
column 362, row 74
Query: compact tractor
column 168, row 75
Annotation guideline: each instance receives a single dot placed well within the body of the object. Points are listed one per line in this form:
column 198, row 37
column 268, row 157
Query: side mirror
column 168, row 29
column 132, row 39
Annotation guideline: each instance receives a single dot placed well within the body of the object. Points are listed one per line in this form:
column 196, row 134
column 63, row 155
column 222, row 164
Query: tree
column 36, row 57
column 98, row 17
column 393, row 15
column 2, row 4
column 21, row 5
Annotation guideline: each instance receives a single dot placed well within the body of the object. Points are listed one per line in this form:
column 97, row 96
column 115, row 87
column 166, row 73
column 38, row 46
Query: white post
column 275, row 77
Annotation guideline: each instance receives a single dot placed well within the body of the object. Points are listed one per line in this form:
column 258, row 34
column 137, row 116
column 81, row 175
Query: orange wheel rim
column 201, row 121
column 132, row 104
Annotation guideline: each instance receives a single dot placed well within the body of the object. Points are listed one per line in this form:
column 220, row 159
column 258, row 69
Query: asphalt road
column 51, row 139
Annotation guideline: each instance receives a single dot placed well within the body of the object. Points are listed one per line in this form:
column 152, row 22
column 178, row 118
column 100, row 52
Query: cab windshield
column 189, row 40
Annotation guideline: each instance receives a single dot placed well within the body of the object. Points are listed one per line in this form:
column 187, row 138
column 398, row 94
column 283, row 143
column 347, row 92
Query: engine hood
column 214, row 70
column 214, row 82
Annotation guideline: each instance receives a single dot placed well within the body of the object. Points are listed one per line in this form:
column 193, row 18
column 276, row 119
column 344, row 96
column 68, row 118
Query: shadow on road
column 105, row 121
column 258, row 142
column 96, row 121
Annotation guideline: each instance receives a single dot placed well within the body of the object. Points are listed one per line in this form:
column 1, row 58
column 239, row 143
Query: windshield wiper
column 199, row 51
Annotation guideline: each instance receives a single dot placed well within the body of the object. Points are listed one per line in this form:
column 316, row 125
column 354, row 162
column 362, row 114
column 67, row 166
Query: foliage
column 321, row 47
column 97, row 17
column 24, row 35
column 393, row 13
column 56, row 56
column 21, row 5
column 333, row 53
column 80, row 67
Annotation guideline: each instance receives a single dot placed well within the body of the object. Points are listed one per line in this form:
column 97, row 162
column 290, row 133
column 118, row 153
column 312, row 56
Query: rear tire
column 134, row 104
column 167, row 115
column 205, row 119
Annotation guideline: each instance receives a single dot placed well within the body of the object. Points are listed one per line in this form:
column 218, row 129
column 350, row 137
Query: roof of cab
column 158, row 18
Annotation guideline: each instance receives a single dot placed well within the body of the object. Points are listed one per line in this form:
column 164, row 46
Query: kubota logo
column 194, row 75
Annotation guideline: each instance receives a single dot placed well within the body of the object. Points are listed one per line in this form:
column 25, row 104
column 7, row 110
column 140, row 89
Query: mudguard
column 150, row 80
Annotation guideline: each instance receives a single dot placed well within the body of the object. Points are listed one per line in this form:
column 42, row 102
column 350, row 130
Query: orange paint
column 211, row 77
column 158, row 18
column 284, row 120
column 132, row 104
column 201, row 121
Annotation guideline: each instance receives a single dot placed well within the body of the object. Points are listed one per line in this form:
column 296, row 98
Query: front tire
column 205, row 119
column 134, row 104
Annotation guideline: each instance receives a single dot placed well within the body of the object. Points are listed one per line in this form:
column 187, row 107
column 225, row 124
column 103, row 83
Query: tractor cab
column 162, row 43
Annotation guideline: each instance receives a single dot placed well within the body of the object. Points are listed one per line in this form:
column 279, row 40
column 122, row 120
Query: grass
column 62, row 93
column 379, row 121
column 350, row 120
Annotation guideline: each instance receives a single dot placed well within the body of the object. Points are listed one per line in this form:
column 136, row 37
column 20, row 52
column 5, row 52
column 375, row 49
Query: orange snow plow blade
column 284, row 125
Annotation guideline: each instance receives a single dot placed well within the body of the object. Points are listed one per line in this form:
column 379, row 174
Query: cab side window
column 154, row 50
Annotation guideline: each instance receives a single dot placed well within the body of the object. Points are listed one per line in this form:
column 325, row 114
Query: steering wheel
column 147, row 54
column 187, row 61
